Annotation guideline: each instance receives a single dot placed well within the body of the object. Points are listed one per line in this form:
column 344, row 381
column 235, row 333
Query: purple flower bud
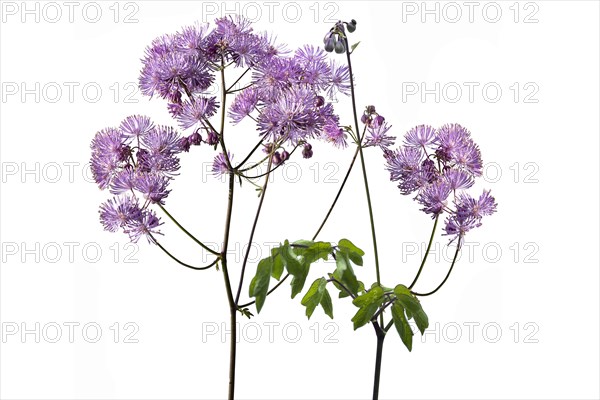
column 184, row 144
column 195, row 139
column 365, row 119
column 370, row 109
column 212, row 138
column 351, row 26
column 378, row 121
column 276, row 158
column 320, row 101
column 284, row 156
column 327, row 37
column 330, row 44
column 307, row 151
column 340, row 48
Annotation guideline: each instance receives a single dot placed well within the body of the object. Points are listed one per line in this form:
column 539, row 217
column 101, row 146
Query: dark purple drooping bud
column 340, row 48
column 276, row 158
column 195, row 139
column 212, row 138
column 184, row 144
column 268, row 148
column 124, row 153
column 307, row 151
column 365, row 119
column 320, row 102
column 370, row 109
column 330, row 44
column 284, row 156
column 327, row 36
column 351, row 26
column 377, row 121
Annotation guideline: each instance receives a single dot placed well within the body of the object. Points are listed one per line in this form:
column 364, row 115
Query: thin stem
column 178, row 260
column 251, row 152
column 223, row 101
column 260, row 203
column 269, row 170
column 447, row 275
column 237, row 80
column 240, row 89
column 426, row 253
column 378, row 356
column 337, row 196
column 364, row 169
column 268, row 293
column 216, row 253
column 388, row 326
column 382, row 309
column 232, row 306
column 342, row 286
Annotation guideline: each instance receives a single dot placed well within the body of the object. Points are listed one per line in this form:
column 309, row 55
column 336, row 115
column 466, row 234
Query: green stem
column 178, row 260
column 426, row 253
column 232, row 306
column 447, row 275
column 378, row 356
column 187, row 233
column 260, row 203
column 362, row 161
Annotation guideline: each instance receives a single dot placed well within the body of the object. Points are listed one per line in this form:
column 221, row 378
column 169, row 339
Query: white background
column 546, row 228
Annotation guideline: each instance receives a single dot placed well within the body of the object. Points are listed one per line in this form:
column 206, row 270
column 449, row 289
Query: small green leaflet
column 368, row 304
column 318, row 294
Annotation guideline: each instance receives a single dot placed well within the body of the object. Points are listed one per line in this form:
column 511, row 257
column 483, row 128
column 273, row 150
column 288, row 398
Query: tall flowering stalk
column 288, row 95
column 437, row 166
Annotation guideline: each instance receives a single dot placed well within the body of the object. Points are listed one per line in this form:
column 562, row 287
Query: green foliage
column 318, row 294
column 367, row 304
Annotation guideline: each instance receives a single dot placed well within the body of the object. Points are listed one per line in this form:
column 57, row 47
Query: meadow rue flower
column 376, row 135
column 152, row 186
column 136, row 126
column 145, row 225
column 220, row 166
column 119, row 212
column 193, row 113
column 440, row 164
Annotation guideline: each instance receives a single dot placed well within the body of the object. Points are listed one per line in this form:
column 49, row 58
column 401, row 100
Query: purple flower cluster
column 285, row 94
column 136, row 163
column 439, row 165
column 287, row 98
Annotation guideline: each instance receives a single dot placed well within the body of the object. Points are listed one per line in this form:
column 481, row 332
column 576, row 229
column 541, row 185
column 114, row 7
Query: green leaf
column 402, row 326
column 412, row 305
column 344, row 272
column 327, row 304
column 313, row 297
column 354, row 253
column 290, row 262
column 260, row 283
column 354, row 47
column 277, row 269
column 368, row 304
column 317, row 251
column 299, row 279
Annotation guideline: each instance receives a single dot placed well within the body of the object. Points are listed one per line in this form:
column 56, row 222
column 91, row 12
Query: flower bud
column 307, row 151
column 320, row 101
column 364, row 119
column 330, row 44
column 212, row 138
column 276, row 158
column 378, row 121
column 351, row 26
column 284, row 156
column 370, row 109
column 327, row 36
column 184, row 144
column 340, row 48
column 195, row 139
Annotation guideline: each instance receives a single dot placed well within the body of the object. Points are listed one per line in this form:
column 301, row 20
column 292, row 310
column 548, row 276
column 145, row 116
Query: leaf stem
column 216, row 253
column 178, row 260
column 260, row 203
column 447, row 275
column 426, row 252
